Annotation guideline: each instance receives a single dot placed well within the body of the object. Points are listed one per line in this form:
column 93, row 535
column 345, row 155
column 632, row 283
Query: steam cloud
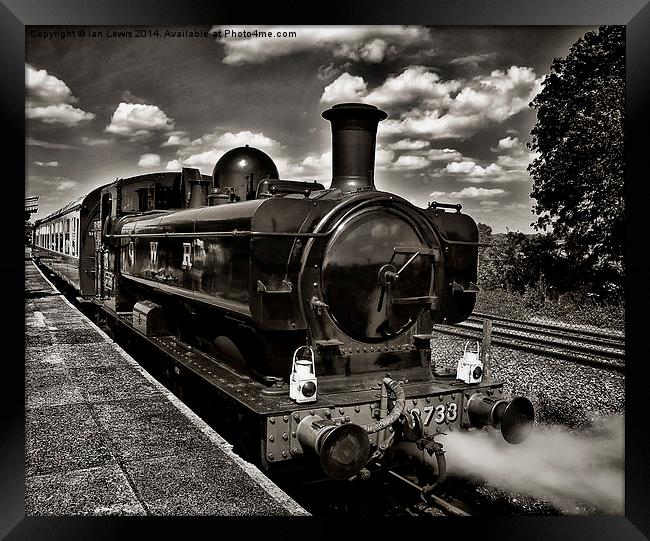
column 553, row 464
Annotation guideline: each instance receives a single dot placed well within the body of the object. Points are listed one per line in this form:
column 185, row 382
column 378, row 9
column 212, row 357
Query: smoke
column 562, row 467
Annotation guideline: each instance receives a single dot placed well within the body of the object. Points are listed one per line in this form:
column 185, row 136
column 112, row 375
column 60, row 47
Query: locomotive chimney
column 354, row 135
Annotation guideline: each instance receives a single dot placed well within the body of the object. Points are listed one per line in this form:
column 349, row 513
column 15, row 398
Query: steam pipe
column 398, row 408
column 427, row 490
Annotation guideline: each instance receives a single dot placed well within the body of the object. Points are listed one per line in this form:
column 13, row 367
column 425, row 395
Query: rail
column 575, row 353
column 553, row 326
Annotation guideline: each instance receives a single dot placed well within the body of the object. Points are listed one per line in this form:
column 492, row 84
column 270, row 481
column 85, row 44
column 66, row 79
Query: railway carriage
column 64, row 241
column 307, row 311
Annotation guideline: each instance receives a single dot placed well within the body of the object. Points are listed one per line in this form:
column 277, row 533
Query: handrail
column 247, row 233
column 244, row 233
column 234, row 233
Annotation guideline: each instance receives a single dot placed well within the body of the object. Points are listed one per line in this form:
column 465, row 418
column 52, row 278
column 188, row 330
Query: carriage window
column 66, row 236
column 73, row 237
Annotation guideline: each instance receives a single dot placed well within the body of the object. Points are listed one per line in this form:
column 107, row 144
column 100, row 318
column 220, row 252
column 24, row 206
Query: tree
column 517, row 261
column 578, row 176
column 484, row 264
column 29, row 228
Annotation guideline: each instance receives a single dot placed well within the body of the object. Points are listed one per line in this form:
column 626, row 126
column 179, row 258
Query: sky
column 122, row 101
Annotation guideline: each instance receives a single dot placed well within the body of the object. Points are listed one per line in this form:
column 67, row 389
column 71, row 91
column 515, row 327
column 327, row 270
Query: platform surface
column 102, row 437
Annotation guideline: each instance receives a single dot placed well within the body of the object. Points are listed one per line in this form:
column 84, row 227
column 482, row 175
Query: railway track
column 588, row 347
column 584, row 332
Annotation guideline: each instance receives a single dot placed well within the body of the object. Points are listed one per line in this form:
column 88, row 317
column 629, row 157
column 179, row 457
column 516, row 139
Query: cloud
column 408, row 144
column 509, row 167
column 45, row 88
column 516, row 156
column 433, row 124
column 415, row 83
column 226, row 141
column 47, row 164
column 203, row 160
column 407, row 162
column 499, row 95
column 318, row 164
column 427, row 107
column 373, row 51
column 293, row 169
column 443, row 154
column 49, row 99
column 517, row 161
column 176, row 140
column 173, row 165
column 460, row 167
column 461, row 113
column 95, row 141
column 370, row 44
column 383, row 158
column 506, row 143
column 149, row 160
column 205, row 151
column 344, row 89
column 136, row 120
column 61, row 113
column 473, row 60
column 30, row 141
column 476, row 193
column 66, row 185
column 128, row 97
column 471, row 169
column 328, row 72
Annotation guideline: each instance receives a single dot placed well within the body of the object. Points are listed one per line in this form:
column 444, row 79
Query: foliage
column 529, row 276
column 29, row 228
column 578, row 176
column 516, row 261
column 535, row 305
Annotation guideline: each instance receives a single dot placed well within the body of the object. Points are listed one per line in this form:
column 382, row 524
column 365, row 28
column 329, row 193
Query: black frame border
column 635, row 14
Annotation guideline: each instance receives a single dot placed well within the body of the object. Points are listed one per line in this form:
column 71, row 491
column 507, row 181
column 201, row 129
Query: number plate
column 440, row 413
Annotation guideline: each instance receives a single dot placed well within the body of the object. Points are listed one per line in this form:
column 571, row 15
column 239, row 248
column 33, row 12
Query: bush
column 535, row 303
column 537, row 266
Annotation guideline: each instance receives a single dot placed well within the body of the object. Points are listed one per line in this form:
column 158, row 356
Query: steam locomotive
column 308, row 311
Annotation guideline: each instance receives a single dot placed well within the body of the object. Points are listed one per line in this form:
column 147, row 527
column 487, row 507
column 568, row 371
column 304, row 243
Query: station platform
column 102, row 437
